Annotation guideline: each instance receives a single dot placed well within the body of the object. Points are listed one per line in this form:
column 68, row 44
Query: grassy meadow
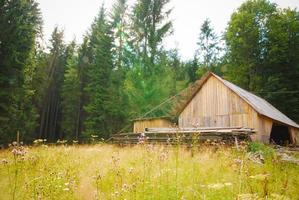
column 145, row 172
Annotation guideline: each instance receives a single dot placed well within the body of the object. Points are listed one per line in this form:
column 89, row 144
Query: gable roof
column 257, row 103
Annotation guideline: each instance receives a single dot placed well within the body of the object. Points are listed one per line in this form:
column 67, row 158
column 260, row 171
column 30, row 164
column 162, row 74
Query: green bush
column 266, row 151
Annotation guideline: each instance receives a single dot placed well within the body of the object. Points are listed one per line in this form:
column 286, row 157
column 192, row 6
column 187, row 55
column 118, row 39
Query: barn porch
column 185, row 135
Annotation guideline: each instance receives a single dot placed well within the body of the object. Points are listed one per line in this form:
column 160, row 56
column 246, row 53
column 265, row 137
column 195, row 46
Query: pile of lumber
column 184, row 135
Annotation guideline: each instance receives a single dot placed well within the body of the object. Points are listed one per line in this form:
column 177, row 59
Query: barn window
column 280, row 134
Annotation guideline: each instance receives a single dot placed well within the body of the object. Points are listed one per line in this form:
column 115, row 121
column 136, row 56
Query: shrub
column 266, row 151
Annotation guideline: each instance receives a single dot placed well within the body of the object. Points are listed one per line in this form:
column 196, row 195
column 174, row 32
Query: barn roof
column 257, row 103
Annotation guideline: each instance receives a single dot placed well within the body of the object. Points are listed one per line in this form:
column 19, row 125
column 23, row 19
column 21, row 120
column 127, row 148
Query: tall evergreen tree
column 71, row 94
column 50, row 115
column 20, row 24
column 98, row 107
column 120, row 28
column 150, row 27
column 84, row 62
column 209, row 49
column 122, row 62
column 192, row 68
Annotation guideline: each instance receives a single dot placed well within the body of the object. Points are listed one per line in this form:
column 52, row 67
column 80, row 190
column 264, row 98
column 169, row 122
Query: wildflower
column 14, row 143
column 116, row 193
column 38, row 141
column 278, row 196
column 238, row 161
column 66, row 189
column 125, row 187
column 61, row 141
column 217, row 186
column 4, row 161
column 163, row 156
column 131, row 170
column 168, row 140
column 213, row 143
column 141, row 138
column 14, row 151
column 260, row 177
column 228, row 184
column 247, row 197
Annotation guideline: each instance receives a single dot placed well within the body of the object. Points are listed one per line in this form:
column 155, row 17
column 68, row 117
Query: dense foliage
column 122, row 70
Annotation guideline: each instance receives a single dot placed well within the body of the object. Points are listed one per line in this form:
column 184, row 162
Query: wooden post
column 236, row 143
column 18, row 138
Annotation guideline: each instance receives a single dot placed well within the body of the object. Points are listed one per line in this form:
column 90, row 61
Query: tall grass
column 144, row 172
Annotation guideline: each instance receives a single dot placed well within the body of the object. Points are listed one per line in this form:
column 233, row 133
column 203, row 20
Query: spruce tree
column 20, row 25
column 150, row 26
column 71, row 94
column 99, row 106
column 208, row 49
column 50, row 113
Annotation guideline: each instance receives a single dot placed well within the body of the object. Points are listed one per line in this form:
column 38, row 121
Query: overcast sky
column 76, row 16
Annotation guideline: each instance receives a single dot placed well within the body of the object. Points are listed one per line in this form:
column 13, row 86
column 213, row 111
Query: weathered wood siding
column 264, row 129
column 294, row 135
column 215, row 105
column 140, row 125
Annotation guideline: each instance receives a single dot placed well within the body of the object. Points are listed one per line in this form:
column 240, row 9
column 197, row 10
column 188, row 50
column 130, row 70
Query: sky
column 76, row 16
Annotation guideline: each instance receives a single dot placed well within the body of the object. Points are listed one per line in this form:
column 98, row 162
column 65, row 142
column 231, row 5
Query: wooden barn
column 219, row 103
column 216, row 108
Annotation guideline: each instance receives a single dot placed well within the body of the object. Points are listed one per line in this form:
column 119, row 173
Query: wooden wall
column 215, row 105
column 140, row 125
column 294, row 135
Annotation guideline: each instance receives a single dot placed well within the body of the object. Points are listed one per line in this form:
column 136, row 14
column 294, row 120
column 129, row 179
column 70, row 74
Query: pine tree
column 50, row 117
column 84, row 62
column 191, row 68
column 20, row 24
column 209, row 49
column 71, row 94
column 150, row 27
column 120, row 28
column 98, row 107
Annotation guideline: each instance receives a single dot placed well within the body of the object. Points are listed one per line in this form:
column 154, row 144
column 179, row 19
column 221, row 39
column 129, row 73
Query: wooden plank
column 199, row 128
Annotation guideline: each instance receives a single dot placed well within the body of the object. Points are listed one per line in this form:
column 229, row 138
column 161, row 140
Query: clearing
column 146, row 172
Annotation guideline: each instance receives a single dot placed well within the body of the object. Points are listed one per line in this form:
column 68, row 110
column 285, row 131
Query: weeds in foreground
column 144, row 172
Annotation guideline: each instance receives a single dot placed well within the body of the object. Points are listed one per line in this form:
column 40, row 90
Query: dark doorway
column 280, row 134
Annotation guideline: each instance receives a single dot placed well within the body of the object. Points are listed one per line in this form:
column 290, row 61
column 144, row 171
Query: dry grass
column 144, row 172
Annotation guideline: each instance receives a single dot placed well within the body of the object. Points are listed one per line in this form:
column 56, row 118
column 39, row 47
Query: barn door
column 280, row 134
